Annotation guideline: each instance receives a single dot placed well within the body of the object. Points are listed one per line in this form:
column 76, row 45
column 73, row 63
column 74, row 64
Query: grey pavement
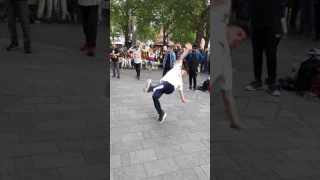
column 282, row 134
column 141, row 148
column 53, row 112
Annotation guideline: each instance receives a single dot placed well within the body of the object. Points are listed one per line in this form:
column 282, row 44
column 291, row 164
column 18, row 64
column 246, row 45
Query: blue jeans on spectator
column 151, row 64
column 205, row 66
column 307, row 16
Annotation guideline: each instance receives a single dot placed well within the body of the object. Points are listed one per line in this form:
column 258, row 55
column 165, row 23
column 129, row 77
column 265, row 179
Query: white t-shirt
column 174, row 76
column 137, row 56
column 220, row 60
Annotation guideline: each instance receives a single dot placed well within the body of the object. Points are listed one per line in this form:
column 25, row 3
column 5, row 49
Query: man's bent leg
column 158, row 92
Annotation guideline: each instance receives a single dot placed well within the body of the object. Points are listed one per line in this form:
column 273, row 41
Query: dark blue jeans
column 158, row 91
column 307, row 16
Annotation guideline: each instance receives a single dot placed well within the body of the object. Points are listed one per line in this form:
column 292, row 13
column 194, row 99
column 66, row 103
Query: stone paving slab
column 141, row 148
column 53, row 113
column 281, row 137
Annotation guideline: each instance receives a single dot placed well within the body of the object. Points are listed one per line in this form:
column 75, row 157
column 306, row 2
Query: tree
column 146, row 32
column 121, row 12
column 162, row 14
column 198, row 12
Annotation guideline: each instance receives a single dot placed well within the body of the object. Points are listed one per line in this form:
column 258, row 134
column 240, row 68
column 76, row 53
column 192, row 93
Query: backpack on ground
column 206, row 85
column 307, row 73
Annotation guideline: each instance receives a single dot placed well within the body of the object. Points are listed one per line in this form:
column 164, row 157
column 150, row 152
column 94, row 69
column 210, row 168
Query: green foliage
column 179, row 19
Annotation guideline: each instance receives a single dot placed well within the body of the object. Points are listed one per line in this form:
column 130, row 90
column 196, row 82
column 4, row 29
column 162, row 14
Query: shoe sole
column 275, row 94
column 147, row 85
column 252, row 89
column 15, row 49
column 164, row 116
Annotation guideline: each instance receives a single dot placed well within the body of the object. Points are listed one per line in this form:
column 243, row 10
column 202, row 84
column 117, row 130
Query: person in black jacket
column 265, row 17
column 12, row 6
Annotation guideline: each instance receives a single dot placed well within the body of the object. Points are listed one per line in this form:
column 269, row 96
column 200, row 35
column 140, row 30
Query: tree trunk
column 207, row 35
column 199, row 34
column 164, row 37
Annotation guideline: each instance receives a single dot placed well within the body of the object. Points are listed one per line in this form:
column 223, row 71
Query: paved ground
column 282, row 134
column 53, row 113
column 141, row 148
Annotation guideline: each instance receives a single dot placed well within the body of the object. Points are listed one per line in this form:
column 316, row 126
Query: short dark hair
column 185, row 70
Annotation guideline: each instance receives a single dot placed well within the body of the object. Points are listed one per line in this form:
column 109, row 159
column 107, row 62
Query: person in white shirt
column 225, row 37
column 168, row 84
column 137, row 59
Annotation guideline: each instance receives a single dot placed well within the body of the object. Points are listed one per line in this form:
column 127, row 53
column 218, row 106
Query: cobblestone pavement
column 141, row 148
column 282, row 135
column 53, row 113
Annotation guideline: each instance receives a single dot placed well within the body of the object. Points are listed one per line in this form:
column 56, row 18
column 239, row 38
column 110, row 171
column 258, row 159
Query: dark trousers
column 165, row 70
column 23, row 11
column 158, row 91
column 317, row 19
column 72, row 6
column 295, row 11
column 89, row 23
column 209, row 67
column 265, row 39
column 307, row 16
column 204, row 66
column 193, row 76
column 138, row 68
column 115, row 67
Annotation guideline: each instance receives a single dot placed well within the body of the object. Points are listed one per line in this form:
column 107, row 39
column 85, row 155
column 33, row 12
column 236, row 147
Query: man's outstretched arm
column 185, row 53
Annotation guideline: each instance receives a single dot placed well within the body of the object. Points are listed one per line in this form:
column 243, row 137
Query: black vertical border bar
column 211, row 97
column 107, row 86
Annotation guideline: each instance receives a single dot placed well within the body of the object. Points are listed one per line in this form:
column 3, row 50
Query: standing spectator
column 12, row 7
column 100, row 12
column 317, row 22
column 63, row 10
column 41, row 5
column 137, row 52
column 295, row 10
column 266, row 26
column 209, row 62
column 206, row 60
column 178, row 51
column 72, row 10
column 169, row 60
column 114, row 52
column 307, row 17
column 193, row 59
column 89, row 11
column 151, row 59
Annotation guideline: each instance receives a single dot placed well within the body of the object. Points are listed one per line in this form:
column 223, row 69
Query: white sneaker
column 147, row 85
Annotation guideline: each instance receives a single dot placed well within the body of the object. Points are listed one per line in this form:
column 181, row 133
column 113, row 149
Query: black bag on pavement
column 307, row 73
